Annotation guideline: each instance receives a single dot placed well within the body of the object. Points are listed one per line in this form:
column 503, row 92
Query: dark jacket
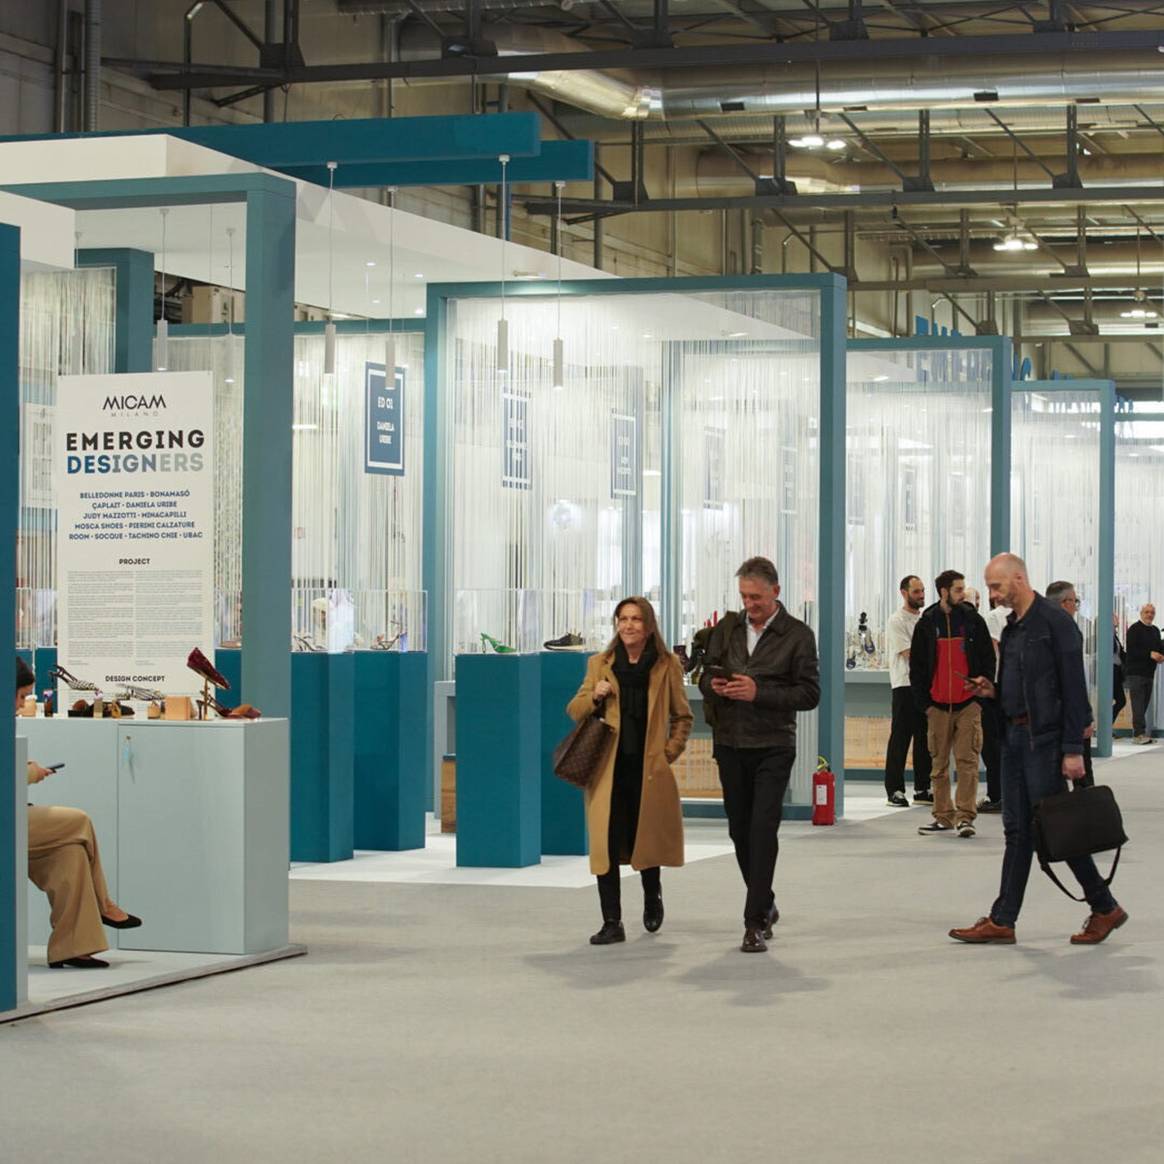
column 787, row 674
column 1054, row 681
column 1142, row 639
column 923, row 650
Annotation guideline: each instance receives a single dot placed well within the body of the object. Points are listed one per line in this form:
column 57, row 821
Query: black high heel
column 130, row 923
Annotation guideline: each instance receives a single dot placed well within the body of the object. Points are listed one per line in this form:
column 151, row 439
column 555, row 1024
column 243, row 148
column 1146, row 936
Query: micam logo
column 132, row 403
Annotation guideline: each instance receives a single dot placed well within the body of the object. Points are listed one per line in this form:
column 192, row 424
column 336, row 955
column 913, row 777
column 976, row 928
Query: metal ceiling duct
column 880, row 85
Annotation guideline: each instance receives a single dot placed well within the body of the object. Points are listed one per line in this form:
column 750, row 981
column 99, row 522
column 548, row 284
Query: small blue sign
column 383, row 421
column 515, row 470
column 624, row 456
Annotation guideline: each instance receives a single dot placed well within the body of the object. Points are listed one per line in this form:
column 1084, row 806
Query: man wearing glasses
column 1063, row 594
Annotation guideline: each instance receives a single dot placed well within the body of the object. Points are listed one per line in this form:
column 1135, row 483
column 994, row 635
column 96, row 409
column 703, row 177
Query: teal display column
column 390, row 749
column 11, row 883
column 563, row 812
column 133, row 346
column 499, row 788
column 323, row 696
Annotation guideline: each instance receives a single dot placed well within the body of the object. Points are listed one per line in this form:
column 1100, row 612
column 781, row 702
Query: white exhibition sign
column 134, row 469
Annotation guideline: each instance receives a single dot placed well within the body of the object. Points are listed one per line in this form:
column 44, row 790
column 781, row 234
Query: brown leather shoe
column 753, row 942
column 1098, row 926
column 984, row 930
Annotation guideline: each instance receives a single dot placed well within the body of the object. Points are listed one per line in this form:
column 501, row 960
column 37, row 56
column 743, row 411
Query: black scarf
column 633, row 686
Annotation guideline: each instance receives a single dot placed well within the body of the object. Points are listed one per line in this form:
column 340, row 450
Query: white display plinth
column 193, row 823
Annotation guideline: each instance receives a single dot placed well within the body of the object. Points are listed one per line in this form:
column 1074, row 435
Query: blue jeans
column 1029, row 774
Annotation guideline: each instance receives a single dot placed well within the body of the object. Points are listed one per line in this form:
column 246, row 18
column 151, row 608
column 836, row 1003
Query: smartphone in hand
column 718, row 672
column 55, row 767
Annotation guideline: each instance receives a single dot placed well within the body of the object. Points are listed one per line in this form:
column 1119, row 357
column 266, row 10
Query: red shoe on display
column 201, row 665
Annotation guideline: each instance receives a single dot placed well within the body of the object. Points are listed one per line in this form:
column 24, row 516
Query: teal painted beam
column 559, row 161
column 412, row 324
column 133, row 193
column 10, row 882
column 267, row 418
column 133, row 346
column 277, row 145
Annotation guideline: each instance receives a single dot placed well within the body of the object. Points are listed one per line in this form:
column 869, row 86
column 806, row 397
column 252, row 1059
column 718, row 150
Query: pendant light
column 502, row 362
column 390, row 342
column 558, row 379
column 162, row 345
column 329, row 327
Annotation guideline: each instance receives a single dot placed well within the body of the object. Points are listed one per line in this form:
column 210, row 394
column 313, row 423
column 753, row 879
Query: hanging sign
column 515, row 470
column 715, row 453
column 134, row 470
column 383, row 421
column 624, row 459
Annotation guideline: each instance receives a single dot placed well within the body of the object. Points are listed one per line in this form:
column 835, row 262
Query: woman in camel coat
column 633, row 814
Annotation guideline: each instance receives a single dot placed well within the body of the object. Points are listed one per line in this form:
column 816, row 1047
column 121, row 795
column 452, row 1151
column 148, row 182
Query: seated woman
column 63, row 861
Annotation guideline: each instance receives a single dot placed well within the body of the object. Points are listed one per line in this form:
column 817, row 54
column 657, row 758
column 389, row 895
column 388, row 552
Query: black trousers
column 754, row 781
column 625, row 798
column 610, row 889
column 908, row 726
column 992, row 748
column 1119, row 698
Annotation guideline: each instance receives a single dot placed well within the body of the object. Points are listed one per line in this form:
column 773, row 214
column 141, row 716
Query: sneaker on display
column 935, row 826
column 966, row 829
column 926, row 797
column 897, row 800
column 570, row 641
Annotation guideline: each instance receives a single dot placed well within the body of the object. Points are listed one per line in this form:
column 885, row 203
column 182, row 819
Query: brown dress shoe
column 984, row 930
column 753, row 942
column 1098, row 926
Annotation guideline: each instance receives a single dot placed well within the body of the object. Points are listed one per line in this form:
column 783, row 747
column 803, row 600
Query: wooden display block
column 178, row 707
column 449, row 794
column 866, row 738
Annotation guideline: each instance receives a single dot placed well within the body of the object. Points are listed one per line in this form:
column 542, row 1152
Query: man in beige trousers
column 64, row 862
column 950, row 643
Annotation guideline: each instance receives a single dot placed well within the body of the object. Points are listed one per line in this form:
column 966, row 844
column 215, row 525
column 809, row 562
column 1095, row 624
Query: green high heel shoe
column 499, row 648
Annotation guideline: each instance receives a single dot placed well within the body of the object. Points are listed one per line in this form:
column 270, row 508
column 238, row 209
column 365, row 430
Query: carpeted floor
column 475, row 1023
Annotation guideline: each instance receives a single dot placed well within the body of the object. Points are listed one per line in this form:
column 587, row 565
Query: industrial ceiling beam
column 170, row 75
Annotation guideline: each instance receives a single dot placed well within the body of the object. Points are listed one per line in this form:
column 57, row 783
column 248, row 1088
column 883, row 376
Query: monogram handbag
column 1077, row 824
column 579, row 757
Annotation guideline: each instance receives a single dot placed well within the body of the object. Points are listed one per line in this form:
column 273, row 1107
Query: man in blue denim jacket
column 1042, row 695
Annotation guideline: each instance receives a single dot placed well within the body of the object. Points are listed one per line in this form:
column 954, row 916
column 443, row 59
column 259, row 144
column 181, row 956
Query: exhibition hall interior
column 463, row 460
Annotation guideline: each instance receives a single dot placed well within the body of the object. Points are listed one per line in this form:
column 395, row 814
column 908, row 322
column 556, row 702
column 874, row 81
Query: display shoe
column 141, row 694
column 71, row 681
column 1098, row 926
column 653, row 913
column 499, row 648
column 201, row 665
column 983, row 932
column 127, row 923
column 243, row 711
column 570, row 641
column 610, row 933
column 753, row 942
column 84, row 962
column 771, row 920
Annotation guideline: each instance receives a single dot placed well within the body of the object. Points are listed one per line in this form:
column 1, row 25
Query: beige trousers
column 959, row 730
column 64, row 862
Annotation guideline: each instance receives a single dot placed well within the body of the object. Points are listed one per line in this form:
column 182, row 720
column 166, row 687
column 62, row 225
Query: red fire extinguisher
column 824, row 794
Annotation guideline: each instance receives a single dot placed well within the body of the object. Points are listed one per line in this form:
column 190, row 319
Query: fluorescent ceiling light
column 835, row 143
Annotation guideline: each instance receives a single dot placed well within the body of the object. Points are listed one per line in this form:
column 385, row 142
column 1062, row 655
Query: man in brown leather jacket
column 761, row 669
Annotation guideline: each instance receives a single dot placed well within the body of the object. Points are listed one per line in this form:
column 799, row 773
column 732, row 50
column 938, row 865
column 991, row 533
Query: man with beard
column 908, row 724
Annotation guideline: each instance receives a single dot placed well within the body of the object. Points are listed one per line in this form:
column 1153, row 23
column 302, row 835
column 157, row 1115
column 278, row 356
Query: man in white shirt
column 995, row 618
column 908, row 723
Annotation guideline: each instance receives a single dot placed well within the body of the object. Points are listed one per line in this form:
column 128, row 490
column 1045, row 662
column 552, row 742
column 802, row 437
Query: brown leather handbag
column 579, row 757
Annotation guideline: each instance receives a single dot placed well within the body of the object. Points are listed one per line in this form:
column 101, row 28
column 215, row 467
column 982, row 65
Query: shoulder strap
column 1046, row 868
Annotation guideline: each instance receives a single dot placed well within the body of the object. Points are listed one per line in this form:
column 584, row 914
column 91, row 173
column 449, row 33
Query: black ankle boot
column 610, row 933
column 652, row 912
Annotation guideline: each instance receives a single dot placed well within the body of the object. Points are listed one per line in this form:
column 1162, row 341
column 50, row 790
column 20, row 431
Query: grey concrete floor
column 475, row 1024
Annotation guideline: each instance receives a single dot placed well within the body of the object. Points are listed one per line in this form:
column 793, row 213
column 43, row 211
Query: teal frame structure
column 1000, row 390
column 1106, row 395
column 268, row 361
column 438, row 454
column 133, row 339
column 10, row 881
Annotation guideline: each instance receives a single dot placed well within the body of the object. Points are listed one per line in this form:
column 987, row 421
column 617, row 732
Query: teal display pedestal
column 498, row 761
column 563, row 811
column 390, row 765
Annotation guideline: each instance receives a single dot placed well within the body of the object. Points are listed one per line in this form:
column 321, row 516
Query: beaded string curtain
column 1139, row 546
column 917, row 439
column 1054, row 524
column 546, row 529
column 356, row 553
column 66, row 328
column 747, row 382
